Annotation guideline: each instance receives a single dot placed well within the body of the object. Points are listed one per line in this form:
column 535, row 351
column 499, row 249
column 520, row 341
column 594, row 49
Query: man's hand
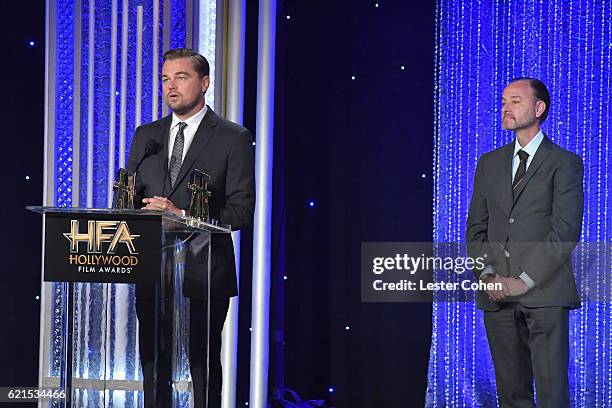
column 496, row 295
column 515, row 286
column 161, row 203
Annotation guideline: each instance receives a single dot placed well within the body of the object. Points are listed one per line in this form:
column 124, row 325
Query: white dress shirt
column 189, row 132
column 530, row 149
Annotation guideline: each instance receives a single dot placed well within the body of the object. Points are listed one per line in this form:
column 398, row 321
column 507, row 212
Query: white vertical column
column 260, row 319
column 112, row 106
column 76, row 100
column 48, row 187
column 124, row 62
column 138, row 99
column 234, row 112
column 167, row 5
column 90, row 104
column 207, row 43
column 107, row 375
column 122, row 292
column 155, row 63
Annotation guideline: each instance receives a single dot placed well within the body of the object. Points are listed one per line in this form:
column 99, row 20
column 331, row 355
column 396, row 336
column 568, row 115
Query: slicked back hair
column 198, row 61
column 540, row 91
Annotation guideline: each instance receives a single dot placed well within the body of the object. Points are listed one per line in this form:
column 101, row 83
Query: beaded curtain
column 480, row 46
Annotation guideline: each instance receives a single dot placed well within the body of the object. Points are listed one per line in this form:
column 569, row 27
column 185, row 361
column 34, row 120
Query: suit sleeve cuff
column 525, row 278
column 488, row 271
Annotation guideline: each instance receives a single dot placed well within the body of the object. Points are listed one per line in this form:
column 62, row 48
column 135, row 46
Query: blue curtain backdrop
column 480, row 46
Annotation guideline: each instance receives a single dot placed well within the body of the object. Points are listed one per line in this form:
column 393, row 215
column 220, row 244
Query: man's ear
column 540, row 108
column 205, row 83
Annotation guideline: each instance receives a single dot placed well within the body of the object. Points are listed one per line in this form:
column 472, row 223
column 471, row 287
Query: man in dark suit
column 194, row 137
column 525, row 218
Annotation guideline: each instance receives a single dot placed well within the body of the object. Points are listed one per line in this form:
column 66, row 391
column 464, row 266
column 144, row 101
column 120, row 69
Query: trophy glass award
column 198, row 189
column 123, row 190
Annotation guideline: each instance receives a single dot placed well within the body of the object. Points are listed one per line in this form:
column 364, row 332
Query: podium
column 95, row 263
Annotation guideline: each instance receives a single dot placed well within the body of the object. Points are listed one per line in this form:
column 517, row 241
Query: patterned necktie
column 522, row 169
column 177, row 153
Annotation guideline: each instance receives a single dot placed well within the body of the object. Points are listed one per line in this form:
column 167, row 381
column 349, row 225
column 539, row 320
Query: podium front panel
column 102, row 248
column 106, row 368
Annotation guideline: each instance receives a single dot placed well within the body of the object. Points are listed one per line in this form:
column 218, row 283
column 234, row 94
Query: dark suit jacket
column 223, row 150
column 538, row 227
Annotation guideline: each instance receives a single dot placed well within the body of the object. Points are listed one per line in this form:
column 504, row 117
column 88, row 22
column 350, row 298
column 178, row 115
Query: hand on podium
column 161, row 203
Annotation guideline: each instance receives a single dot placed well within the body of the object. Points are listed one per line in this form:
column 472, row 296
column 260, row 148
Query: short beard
column 184, row 109
column 519, row 126
column 512, row 126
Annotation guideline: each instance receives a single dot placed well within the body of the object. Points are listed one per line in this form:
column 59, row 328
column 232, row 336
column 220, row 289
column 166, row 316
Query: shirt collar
column 192, row 122
column 531, row 147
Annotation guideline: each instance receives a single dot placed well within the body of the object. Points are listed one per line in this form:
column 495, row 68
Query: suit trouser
column 145, row 310
column 528, row 343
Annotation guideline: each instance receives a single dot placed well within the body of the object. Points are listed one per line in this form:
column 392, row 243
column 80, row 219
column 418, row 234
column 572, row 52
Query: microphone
column 151, row 148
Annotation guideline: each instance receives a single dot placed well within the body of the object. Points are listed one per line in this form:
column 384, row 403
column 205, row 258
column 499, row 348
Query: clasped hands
column 510, row 287
column 161, row 203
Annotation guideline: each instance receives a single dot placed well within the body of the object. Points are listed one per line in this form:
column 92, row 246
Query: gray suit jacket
column 533, row 230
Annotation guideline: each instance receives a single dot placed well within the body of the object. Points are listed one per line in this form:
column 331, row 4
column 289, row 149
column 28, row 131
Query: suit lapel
column 203, row 135
column 507, row 174
column 162, row 161
column 539, row 158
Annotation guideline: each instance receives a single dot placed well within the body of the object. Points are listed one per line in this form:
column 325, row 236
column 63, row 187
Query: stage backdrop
column 480, row 46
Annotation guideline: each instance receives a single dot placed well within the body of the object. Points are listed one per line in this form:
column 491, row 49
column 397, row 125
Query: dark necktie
column 176, row 160
column 522, row 169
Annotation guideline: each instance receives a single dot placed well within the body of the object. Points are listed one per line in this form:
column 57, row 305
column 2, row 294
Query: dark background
column 360, row 150
column 22, row 110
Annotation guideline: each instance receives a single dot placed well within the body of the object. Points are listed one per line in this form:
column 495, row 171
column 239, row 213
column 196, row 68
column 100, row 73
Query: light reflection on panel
column 180, row 350
column 206, row 42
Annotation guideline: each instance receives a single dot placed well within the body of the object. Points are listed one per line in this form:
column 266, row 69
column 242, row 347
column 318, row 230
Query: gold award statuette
column 123, row 190
column 198, row 189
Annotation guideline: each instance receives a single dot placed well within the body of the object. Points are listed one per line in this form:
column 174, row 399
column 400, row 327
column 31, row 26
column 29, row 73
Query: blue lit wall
column 480, row 47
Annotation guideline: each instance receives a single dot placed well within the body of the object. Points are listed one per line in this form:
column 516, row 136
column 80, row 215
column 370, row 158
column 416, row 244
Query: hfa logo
column 99, row 232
